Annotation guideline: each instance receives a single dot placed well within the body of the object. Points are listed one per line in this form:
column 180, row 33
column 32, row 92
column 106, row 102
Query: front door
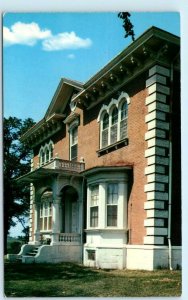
column 70, row 214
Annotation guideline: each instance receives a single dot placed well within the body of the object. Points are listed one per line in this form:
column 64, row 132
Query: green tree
column 16, row 163
column 127, row 25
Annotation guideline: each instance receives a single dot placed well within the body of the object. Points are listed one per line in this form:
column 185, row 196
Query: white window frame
column 110, row 205
column 102, row 130
column 73, row 143
column 109, row 110
column 46, row 208
column 43, row 159
column 94, row 204
column 113, row 125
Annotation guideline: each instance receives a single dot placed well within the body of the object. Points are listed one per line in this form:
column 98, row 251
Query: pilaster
column 156, row 154
column 56, row 219
column 36, row 223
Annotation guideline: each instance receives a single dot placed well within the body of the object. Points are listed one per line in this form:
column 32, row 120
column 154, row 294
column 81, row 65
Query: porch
column 57, row 213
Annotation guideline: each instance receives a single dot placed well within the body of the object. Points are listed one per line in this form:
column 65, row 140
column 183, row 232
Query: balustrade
column 65, row 165
column 46, row 237
column 69, row 237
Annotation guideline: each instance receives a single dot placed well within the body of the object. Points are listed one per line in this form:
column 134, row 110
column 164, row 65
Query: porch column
column 37, row 223
column 56, row 220
column 80, row 217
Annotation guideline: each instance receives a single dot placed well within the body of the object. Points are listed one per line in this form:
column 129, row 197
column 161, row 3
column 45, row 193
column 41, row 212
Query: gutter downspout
column 170, row 168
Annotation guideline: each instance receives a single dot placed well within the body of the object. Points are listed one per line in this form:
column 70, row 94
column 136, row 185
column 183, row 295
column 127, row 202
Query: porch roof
column 53, row 168
column 97, row 169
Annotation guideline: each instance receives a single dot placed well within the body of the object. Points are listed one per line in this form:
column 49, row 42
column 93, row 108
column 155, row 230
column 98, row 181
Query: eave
column 43, row 130
column 62, row 95
column 153, row 46
column 52, row 121
column 112, row 168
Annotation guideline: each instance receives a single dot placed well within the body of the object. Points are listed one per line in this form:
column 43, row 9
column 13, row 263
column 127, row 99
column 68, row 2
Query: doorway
column 70, row 210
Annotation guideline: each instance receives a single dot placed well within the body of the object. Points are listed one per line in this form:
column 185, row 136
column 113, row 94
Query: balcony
column 66, row 165
column 55, row 166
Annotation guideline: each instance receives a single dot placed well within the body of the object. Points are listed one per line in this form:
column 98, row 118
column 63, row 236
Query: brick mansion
column 105, row 179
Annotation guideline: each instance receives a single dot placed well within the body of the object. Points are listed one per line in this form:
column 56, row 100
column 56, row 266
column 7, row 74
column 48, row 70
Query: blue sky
column 41, row 48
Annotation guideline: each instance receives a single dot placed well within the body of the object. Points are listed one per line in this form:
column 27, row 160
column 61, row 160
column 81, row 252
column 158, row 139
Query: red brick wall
column 133, row 154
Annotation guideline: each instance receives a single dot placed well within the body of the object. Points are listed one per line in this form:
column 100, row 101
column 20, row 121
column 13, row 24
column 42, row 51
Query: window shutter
column 113, row 134
column 123, row 129
column 105, row 138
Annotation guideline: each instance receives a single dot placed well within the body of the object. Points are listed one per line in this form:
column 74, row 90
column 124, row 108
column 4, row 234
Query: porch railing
column 46, row 238
column 65, row 165
column 69, row 237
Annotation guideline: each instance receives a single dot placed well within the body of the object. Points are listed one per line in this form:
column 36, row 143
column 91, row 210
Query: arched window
column 46, row 153
column 114, row 115
column 113, row 122
column 114, row 126
column 124, row 110
column 42, row 157
column 105, row 121
column 51, row 151
column 123, row 122
column 105, row 128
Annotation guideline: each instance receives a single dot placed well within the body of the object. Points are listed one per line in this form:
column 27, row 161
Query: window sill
column 112, row 147
column 109, row 229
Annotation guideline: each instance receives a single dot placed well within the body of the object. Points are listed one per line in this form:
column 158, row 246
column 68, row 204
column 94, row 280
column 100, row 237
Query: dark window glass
column 105, row 121
column 94, row 216
column 112, row 215
column 124, row 110
column 114, row 116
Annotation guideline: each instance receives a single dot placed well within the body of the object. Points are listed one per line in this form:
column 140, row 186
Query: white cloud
column 71, row 56
column 64, row 41
column 29, row 33
column 24, row 34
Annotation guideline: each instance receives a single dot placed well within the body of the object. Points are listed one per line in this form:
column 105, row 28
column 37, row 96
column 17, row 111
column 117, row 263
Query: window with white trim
column 74, row 143
column 94, row 206
column 46, row 213
column 105, row 130
column 112, row 204
column 46, row 153
column 123, row 120
column 114, row 126
column 113, row 121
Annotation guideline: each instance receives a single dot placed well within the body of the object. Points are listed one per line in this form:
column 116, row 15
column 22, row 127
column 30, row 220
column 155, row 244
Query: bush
column 14, row 247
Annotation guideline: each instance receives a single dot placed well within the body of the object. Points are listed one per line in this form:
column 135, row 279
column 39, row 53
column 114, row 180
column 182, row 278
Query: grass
column 73, row 280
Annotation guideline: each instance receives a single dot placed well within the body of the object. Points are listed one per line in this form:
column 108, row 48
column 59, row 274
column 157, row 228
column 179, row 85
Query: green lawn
column 66, row 279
